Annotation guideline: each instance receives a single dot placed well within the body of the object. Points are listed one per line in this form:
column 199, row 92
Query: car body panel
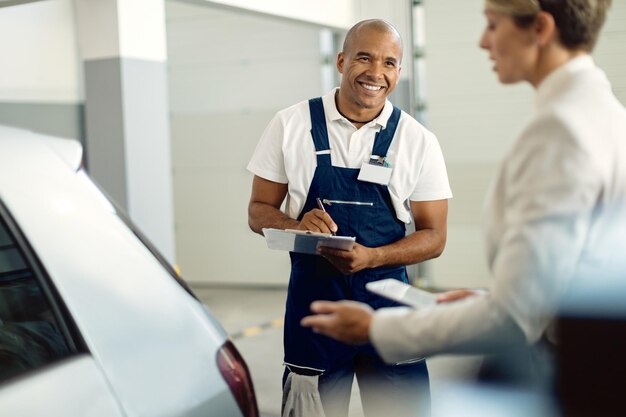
column 46, row 392
column 155, row 343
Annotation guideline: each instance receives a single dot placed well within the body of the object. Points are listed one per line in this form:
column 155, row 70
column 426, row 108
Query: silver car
column 93, row 321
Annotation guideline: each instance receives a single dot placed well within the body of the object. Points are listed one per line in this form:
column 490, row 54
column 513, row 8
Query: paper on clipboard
column 305, row 242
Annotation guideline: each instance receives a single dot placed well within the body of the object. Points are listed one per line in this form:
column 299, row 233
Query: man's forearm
column 262, row 215
column 417, row 247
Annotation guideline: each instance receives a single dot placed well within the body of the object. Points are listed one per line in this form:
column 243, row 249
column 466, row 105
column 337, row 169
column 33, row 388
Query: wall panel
column 228, row 75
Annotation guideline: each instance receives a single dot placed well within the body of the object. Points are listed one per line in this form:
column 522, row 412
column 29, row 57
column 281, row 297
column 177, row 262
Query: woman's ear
column 545, row 29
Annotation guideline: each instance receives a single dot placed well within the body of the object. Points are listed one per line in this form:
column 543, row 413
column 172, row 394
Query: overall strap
column 384, row 137
column 319, row 131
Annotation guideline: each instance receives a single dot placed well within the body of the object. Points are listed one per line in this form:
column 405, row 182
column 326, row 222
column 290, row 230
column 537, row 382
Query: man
column 556, row 218
column 326, row 149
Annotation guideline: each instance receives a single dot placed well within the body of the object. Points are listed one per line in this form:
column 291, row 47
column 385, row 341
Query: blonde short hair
column 578, row 21
column 514, row 7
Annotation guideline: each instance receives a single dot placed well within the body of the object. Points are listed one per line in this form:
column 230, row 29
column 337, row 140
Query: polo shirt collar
column 333, row 114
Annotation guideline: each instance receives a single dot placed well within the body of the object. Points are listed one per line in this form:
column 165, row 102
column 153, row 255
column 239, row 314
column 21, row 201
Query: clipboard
column 402, row 293
column 302, row 241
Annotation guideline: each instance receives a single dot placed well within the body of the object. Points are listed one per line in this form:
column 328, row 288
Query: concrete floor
column 253, row 318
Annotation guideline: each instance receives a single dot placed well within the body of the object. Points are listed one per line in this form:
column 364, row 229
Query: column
column 123, row 48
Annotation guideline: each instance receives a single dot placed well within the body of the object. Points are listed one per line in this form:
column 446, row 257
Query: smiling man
column 375, row 169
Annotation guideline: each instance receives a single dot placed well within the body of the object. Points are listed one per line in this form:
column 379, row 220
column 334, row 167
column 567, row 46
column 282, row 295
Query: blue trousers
column 386, row 390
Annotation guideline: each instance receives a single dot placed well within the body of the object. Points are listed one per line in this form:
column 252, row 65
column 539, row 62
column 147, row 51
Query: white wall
column 610, row 53
column 39, row 53
column 111, row 29
column 476, row 119
column 332, row 13
column 228, row 74
column 336, row 14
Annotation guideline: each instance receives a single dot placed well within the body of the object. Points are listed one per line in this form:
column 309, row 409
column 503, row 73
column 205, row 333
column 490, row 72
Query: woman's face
column 512, row 49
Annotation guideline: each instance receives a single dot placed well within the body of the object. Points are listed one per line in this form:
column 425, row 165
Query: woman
column 558, row 197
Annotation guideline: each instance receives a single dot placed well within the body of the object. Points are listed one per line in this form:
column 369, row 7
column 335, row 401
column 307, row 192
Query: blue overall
column 314, row 278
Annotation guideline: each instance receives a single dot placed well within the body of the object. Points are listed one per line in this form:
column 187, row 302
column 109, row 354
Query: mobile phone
column 402, row 293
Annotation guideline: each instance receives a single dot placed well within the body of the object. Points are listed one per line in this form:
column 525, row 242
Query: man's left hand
column 346, row 321
column 349, row 261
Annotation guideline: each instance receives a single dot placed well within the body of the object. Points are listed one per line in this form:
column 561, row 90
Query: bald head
column 377, row 25
column 370, row 66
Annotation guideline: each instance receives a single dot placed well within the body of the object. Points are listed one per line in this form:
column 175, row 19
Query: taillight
column 235, row 372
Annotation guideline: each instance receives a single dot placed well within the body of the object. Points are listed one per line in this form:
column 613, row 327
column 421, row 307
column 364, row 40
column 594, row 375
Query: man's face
column 370, row 68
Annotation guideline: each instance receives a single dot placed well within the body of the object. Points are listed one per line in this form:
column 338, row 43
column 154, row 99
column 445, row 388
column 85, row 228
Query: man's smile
column 370, row 87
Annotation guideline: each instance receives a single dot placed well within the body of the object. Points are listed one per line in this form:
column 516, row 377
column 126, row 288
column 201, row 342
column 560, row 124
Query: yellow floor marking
column 278, row 322
column 254, row 330
column 251, row 331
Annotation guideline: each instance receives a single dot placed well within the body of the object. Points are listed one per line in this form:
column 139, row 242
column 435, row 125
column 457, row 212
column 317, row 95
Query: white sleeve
column 472, row 325
column 268, row 160
column 432, row 182
column 552, row 186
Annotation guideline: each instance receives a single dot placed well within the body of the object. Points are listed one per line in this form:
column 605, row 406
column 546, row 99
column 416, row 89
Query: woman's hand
column 455, row 295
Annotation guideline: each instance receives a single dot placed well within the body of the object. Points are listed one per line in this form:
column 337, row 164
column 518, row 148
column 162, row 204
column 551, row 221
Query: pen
column 321, row 207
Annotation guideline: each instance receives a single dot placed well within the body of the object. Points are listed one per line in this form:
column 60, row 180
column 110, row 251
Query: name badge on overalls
column 376, row 170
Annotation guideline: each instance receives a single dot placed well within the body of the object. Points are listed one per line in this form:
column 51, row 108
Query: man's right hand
column 317, row 220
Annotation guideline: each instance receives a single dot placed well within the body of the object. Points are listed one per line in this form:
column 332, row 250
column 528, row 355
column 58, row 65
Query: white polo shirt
column 286, row 154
